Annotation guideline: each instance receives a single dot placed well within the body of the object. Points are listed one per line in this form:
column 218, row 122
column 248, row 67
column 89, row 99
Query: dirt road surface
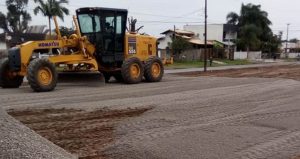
column 291, row 71
column 191, row 117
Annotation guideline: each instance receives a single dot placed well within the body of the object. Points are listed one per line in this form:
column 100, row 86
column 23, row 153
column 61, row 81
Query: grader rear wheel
column 42, row 75
column 7, row 78
column 132, row 71
column 154, row 69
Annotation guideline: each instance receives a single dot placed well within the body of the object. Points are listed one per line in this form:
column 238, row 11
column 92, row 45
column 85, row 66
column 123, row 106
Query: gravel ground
column 19, row 142
column 192, row 117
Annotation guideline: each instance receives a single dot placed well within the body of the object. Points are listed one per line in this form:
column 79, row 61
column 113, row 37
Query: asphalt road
column 192, row 117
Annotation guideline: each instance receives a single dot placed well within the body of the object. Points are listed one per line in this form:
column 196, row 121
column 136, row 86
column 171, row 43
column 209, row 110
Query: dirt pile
column 83, row 133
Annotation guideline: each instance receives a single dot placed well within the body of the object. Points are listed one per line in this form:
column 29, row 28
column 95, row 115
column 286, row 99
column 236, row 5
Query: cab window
column 89, row 23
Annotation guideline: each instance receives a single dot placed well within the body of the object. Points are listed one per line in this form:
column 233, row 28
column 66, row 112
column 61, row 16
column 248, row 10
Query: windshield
column 89, row 23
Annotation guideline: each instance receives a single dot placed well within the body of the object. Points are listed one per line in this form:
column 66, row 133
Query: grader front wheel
column 7, row 78
column 42, row 75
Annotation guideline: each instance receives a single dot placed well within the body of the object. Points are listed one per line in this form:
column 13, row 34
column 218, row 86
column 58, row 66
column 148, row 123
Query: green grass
column 185, row 64
column 236, row 62
column 193, row 64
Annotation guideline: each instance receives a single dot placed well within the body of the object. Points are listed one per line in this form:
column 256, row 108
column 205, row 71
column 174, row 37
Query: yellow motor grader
column 101, row 43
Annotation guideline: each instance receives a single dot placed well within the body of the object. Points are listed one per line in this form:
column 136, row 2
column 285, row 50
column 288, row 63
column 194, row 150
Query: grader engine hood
column 14, row 57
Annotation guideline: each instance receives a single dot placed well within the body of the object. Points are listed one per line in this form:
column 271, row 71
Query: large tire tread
column 126, row 71
column 148, row 73
column 6, row 82
column 33, row 69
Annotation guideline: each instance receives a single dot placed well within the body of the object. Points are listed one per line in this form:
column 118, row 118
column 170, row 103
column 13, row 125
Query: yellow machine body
column 77, row 53
column 140, row 46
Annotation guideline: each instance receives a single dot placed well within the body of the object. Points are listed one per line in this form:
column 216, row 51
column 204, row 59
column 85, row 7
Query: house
column 194, row 53
column 223, row 33
column 32, row 33
column 165, row 42
column 290, row 47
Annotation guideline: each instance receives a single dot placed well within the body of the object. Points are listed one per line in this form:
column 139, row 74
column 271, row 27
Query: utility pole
column 174, row 34
column 287, row 39
column 205, row 38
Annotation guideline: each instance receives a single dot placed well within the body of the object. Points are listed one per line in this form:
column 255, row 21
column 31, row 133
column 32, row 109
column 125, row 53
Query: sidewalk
column 228, row 67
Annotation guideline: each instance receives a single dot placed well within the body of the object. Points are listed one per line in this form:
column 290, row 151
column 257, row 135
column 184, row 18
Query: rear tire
column 132, row 71
column 8, row 80
column 154, row 69
column 42, row 75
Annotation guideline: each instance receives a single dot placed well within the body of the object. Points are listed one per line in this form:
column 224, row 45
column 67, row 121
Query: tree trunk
column 49, row 19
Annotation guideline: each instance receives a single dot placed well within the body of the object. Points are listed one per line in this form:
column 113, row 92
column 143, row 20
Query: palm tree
column 250, row 36
column 17, row 18
column 232, row 18
column 253, row 24
column 51, row 8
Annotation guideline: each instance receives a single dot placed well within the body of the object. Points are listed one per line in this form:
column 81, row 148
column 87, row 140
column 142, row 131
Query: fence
column 253, row 55
column 293, row 55
column 196, row 54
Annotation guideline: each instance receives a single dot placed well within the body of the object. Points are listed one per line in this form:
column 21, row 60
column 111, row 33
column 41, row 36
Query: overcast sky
column 160, row 15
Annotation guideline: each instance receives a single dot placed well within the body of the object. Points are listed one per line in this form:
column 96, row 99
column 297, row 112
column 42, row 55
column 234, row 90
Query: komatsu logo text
column 50, row 44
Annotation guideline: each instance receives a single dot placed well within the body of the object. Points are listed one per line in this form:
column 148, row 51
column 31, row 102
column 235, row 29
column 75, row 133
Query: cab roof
column 86, row 9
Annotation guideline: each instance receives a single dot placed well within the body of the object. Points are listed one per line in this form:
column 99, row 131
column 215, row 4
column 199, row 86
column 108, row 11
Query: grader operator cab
column 101, row 43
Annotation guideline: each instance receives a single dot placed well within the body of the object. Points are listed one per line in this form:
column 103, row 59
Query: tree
column 66, row 31
column 17, row 18
column 180, row 44
column 51, row 8
column 232, row 18
column 254, row 27
column 250, row 36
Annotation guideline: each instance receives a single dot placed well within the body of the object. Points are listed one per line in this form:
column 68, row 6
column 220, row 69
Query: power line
column 157, row 15
column 148, row 14
column 167, row 22
column 186, row 14
column 283, row 30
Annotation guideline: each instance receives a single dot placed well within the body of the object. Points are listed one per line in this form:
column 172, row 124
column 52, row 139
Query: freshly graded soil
column 282, row 71
column 83, row 133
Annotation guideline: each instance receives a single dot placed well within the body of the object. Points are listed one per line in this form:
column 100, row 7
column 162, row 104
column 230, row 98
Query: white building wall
column 252, row 55
column 165, row 42
column 290, row 45
column 214, row 31
column 2, row 46
column 231, row 35
column 293, row 55
column 240, row 55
